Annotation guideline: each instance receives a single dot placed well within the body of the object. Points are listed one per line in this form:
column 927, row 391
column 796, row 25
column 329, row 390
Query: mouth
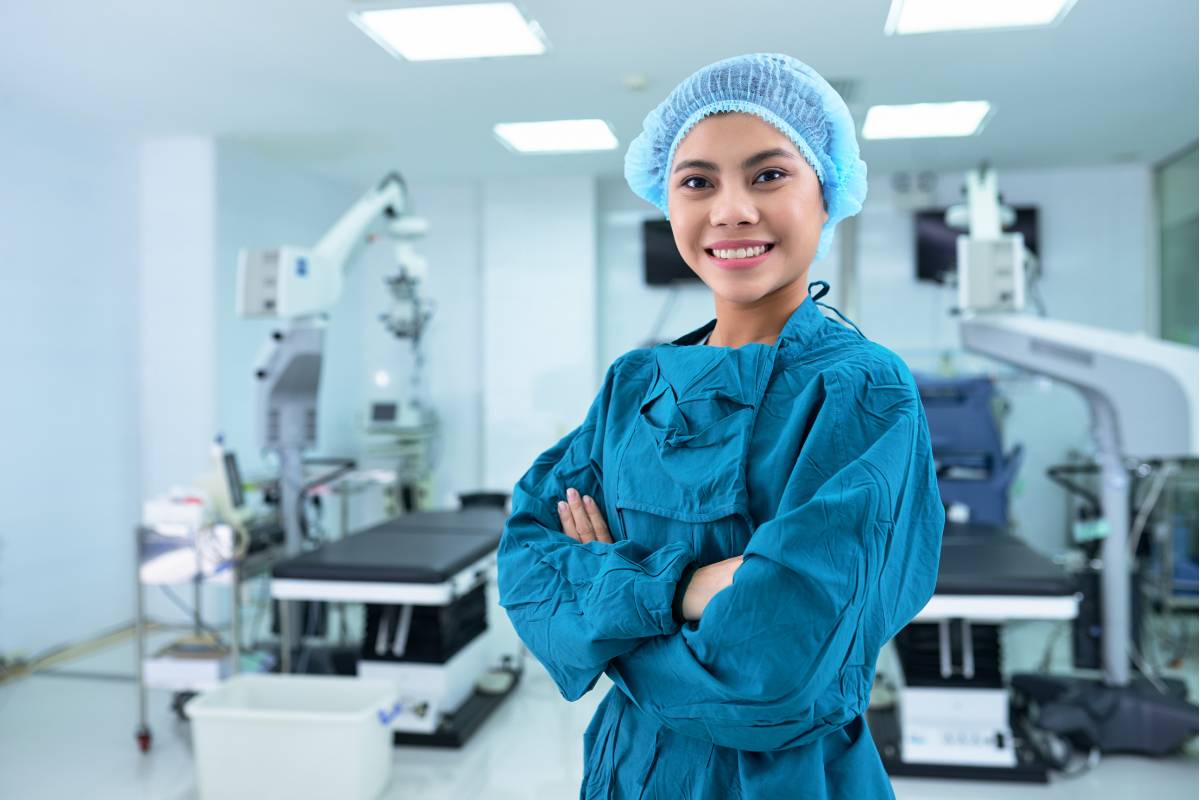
column 739, row 257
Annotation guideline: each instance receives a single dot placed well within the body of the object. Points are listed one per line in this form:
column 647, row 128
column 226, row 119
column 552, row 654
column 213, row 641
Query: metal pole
column 285, row 637
column 1115, row 550
column 140, row 635
column 235, row 624
column 197, row 624
column 291, row 487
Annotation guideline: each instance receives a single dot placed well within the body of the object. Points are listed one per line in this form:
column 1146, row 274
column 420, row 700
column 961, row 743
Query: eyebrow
column 757, row 158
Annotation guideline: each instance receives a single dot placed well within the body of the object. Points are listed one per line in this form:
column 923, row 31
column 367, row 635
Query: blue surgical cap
column 785, row 92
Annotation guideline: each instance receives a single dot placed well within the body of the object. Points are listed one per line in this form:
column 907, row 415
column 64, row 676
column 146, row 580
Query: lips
column 740, row 254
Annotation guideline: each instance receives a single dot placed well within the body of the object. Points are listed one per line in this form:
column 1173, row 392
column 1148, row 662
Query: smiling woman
column 735, row 529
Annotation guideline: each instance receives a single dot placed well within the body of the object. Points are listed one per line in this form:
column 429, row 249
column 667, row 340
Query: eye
column 688, row 182
column 767, row 172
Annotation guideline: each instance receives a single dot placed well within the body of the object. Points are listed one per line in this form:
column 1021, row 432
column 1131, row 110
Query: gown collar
column 739, row 374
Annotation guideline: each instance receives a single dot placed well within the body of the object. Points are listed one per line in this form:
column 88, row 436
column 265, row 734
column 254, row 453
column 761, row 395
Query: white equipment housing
column 282, row 282
column 967, row 727
column 991, row 263
column 991, row 272
column 291, row 282
column 431, row 690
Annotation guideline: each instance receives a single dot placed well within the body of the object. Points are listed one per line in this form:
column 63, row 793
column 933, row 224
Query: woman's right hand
column 705, row 583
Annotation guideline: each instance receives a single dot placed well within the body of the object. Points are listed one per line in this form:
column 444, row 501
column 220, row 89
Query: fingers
column 583, row 523
column 582, row 519
column 598, row 524
column 567, row 520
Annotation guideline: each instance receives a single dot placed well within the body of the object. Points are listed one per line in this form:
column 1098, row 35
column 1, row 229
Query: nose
column 733, row 206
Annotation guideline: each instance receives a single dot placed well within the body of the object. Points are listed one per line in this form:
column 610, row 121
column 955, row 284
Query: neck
column 759, row 322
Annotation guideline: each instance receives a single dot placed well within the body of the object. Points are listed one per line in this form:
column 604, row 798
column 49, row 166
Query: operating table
column 953, row 718
column 423, row 577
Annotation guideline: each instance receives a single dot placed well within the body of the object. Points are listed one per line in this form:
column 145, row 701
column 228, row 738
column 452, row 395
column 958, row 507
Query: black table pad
column 982, row 559
column 425, row 547
column 430, row 547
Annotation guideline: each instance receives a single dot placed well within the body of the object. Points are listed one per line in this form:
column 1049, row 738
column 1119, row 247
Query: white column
column 177, row 323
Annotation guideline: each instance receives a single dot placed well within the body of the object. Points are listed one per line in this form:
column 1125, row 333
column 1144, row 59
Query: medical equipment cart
column 152, row 545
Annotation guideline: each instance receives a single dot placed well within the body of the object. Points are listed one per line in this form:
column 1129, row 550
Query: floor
column 65, row 736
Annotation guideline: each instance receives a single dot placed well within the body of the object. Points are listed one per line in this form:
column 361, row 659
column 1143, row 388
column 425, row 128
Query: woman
column 742, row 520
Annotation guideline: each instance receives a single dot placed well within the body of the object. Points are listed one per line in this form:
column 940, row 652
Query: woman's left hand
column 581, row 519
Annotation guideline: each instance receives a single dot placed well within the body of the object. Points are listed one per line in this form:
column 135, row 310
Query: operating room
column 368, row 433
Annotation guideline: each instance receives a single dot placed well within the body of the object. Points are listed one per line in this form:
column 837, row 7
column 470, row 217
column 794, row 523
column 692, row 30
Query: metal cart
column 234, row 574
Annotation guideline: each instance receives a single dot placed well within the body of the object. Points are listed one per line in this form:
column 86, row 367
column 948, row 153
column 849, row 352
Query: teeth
column 741, row 252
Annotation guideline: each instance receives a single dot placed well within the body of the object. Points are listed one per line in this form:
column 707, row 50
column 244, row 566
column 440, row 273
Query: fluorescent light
column 925, row 120
column 430, row 33
column 928, row 16
column 558, row 136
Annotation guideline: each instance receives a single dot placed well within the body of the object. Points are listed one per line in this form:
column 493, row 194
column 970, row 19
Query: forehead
column 731, row 136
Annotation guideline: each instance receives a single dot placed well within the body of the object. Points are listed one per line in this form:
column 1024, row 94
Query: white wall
column 69, row 484
column 1096, row 252
column 539, row 318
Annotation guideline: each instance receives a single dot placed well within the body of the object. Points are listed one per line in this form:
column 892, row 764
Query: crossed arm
column 582, row 521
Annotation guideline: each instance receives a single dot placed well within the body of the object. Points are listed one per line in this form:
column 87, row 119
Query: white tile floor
column 62, row 738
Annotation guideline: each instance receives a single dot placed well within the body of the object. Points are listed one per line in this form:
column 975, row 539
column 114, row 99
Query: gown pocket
column 686, row 456
column 682, row 474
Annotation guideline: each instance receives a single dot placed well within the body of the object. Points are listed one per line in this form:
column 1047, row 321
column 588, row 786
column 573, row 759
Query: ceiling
column 1116, row 81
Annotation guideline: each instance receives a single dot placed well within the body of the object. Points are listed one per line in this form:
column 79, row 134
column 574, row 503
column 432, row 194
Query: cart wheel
column 143, row 739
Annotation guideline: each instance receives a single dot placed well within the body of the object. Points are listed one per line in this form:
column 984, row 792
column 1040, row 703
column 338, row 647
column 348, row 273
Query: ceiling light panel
column 456, row 31
column 930, row 16
column 925, row 120
column 557, row 136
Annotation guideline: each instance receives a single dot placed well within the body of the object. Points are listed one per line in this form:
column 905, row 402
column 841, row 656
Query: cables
column 1165, row 471
column 1056, row 474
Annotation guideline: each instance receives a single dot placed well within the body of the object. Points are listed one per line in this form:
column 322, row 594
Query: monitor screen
column 663, row 264
column 383, row 412
column 937, row 242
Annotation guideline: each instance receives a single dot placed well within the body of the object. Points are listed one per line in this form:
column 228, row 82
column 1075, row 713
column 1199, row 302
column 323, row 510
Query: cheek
column 683, row 228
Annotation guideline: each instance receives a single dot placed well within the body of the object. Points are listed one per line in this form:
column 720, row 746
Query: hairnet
column 777, row 88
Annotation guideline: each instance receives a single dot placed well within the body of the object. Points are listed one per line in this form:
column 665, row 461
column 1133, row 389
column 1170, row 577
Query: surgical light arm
column 1142, row 396
column 291, row 281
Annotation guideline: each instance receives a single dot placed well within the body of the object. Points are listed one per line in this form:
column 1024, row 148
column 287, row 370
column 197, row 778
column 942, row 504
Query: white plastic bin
column 292, row 737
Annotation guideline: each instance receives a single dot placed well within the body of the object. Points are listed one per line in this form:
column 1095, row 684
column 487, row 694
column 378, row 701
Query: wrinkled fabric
column 811, row 458
column 777, row 88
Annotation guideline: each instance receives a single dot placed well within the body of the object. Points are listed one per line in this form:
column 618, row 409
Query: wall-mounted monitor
column 663, row 264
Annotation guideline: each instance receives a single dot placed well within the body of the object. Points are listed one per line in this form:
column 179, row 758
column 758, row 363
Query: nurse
column 747, row 514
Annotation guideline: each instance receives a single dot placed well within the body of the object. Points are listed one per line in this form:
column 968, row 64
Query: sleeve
column 787, row 652
column 576, row 606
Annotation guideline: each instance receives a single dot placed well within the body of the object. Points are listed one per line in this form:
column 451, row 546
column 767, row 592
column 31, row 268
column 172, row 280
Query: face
column 737, row 183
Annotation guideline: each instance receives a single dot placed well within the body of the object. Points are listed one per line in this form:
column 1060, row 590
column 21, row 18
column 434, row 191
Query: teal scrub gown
column 809, row 457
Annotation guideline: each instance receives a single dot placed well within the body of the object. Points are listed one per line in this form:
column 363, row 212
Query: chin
column 742, row 293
